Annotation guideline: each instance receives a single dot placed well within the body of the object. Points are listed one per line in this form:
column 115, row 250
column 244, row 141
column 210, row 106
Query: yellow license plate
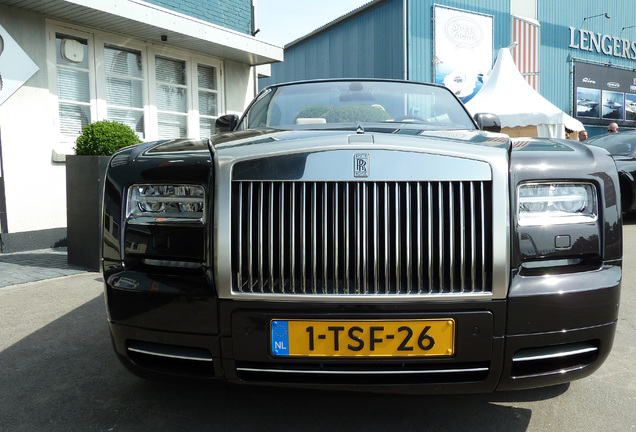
column 368, row 338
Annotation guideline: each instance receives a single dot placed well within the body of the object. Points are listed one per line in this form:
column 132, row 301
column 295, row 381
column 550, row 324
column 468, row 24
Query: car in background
column 363, row 235
column 622, row 147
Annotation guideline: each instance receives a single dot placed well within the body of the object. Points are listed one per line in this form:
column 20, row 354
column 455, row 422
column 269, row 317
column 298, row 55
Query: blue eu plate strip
column 280, row 338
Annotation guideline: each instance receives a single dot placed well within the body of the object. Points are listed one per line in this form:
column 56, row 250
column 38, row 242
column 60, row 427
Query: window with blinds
column 73, row 84
column 171, row 97
column 208, row 99
column 124, row 87
column 160, row 92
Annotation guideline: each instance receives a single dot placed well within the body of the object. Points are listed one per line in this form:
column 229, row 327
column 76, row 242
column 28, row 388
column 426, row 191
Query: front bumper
column 549, row 331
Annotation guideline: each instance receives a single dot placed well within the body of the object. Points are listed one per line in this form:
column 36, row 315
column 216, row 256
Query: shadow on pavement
column 37, row 259
column 65, row 376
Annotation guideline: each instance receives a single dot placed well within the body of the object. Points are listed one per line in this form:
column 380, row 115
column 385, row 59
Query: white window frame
column 102, row 105
column 97, row 78
column 65, row 140
column 202, row 61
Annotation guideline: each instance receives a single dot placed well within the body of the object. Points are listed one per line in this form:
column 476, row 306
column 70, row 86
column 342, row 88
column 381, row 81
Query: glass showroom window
column 124, row 87
column 208, row 99
column 73, row 84
column 172, row 98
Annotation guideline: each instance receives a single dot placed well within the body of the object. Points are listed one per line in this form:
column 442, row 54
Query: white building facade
column 165, row 73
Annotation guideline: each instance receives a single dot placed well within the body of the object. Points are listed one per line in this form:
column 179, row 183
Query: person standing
column 582, row 135
column 612, row 128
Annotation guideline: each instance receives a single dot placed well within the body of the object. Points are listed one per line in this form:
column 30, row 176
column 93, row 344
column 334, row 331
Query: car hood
column 375, row 137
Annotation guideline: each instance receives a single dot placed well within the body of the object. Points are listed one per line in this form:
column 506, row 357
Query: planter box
column 84, row 192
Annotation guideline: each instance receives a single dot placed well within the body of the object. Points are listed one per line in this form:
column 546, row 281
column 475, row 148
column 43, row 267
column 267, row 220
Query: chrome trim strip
column 560, row 354
column 175, row 356
column 388, row 372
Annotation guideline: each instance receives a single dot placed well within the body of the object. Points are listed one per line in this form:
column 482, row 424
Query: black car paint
column 625, row 164
column 180, row 308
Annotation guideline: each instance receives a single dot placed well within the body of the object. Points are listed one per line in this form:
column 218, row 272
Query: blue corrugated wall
column 370, row 44
column 235, row 14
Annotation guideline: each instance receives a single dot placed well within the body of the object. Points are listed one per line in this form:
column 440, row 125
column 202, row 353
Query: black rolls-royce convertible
column 363, row 235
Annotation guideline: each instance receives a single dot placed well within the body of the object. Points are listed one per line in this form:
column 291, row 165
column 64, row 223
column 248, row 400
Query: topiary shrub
column 104, row 138
column 352, row 113
column 313, row 111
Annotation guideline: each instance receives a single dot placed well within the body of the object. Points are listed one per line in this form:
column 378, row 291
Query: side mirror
column 488, row 122
column 226, row 123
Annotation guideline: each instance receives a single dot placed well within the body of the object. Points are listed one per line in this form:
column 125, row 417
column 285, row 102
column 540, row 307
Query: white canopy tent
column 507, row 94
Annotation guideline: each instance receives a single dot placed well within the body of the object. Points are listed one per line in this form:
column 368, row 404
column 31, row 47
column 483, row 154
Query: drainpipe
column 3, row 202
column 255, row 30
column 405, row 28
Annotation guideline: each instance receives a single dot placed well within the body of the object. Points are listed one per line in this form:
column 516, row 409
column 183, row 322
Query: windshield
column 617, row 144
column 347, row 104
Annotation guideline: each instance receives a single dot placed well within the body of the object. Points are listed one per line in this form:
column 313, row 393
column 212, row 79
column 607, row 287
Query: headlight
column 556, row 203
column 165, row 203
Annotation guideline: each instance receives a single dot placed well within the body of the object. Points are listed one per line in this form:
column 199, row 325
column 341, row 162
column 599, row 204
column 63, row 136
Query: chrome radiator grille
column 361, row 238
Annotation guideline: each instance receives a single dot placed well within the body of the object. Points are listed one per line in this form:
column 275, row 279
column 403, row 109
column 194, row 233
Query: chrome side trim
column 555, row 355
column 169, row 355
column 347, row 372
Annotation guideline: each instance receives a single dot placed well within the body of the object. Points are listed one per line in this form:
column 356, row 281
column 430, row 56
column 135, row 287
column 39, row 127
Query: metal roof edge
column 148, row 22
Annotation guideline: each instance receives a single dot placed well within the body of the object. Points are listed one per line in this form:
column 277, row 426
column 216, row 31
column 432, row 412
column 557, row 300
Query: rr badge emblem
column 361, row 165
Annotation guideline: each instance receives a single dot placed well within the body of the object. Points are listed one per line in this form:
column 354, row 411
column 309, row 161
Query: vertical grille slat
column 376, row 240
column 361, row 238
column 483, row 236
column 259, row 239
column 325, row 238
column 281, row 238
column 249, row 248
column 303, row 239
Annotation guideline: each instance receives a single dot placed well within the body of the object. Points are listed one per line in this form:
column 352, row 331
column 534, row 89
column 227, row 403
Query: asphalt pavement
column 58, row 372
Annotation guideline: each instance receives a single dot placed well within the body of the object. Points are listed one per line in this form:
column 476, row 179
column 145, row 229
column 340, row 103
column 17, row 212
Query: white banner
column 463, row 47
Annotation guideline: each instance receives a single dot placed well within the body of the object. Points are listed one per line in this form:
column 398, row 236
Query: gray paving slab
column 31, row 266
